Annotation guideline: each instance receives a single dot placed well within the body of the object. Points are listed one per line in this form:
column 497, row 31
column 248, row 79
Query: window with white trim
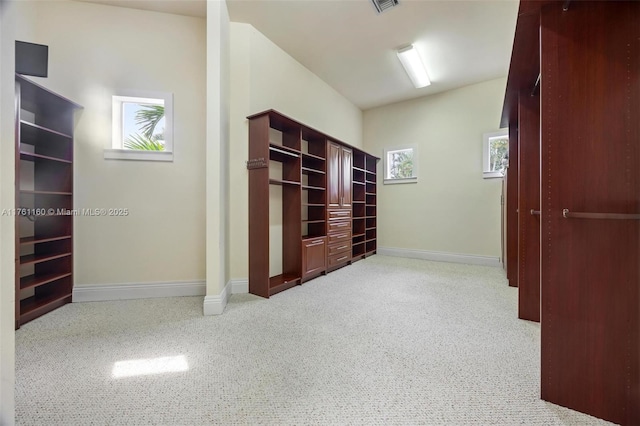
column 141, row 126
column 495, row 151
column 401, row 164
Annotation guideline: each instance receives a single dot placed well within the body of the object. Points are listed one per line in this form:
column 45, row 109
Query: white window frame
column 116, row 150
column 413, row 179
column 487, row 173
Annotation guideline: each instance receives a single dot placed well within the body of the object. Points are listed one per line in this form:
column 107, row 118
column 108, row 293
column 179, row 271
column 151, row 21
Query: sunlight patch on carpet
column 148, row 366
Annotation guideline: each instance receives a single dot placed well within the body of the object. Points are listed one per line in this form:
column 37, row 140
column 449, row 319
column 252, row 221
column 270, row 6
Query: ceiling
column 352, row 48
column 195, row 8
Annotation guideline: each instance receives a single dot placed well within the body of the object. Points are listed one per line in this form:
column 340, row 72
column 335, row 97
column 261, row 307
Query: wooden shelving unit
column 314, row 173
column 371, row 201
column 44, row 187
column 364, row 222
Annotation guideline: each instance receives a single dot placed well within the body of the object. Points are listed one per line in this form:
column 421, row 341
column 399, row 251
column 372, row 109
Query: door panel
column 511, row 207
column 333, row 175
column 314, row 255
column 347, row 158
column 529, row 207
column 590, row 118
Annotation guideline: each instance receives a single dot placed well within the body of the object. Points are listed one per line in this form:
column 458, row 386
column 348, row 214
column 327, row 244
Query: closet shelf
column 30, row 156
column 39, row 258
column 283, row 182
column 37, row 280
column 38, row 240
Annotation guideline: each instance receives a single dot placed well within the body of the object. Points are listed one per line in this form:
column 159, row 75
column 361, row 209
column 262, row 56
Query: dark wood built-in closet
column 339, row 203
column 328, row 202
column 573, row 99
column 44, row 200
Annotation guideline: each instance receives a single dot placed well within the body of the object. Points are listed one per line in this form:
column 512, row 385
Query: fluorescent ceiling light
column 413, row 65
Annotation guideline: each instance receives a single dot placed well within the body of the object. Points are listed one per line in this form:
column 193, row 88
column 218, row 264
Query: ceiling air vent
column 382, row 5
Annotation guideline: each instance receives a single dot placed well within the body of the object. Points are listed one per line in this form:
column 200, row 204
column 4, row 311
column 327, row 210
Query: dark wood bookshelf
column 317, row 201
column 44, row 181
column 364, row 189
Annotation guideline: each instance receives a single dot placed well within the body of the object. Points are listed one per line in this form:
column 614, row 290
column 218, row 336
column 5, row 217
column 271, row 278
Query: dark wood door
column 590, row 118
column 511, row 208
column 333, row 175
column 529, row 207
column 347, row 159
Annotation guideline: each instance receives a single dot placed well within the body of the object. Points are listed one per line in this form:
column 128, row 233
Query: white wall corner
column 99, row 293
column 239, row 286
column 215, row 304
column 468, row 259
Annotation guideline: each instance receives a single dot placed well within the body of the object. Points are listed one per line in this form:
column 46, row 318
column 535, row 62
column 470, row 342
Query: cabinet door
column 347, row 158
column 314, row 256
column 333, row 175
column 590, row 156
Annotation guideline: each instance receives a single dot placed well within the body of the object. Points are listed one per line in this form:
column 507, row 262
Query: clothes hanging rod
column 536, row 87
column 582, row 215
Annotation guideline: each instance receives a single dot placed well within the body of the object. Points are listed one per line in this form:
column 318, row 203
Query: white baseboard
column 214, row 305
column 100, row 293
column 239, row 286
column 440, row 257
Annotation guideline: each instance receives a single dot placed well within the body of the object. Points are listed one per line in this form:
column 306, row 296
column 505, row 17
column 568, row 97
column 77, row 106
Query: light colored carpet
column 386, row 341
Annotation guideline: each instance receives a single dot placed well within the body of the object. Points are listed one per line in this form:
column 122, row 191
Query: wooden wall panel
column 590, row 118
column 529, row 207
column 258, row 205
column 512, row 208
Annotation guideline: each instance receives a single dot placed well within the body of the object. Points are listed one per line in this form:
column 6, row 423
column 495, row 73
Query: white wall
column 451, row 209
column 93, row 51
column 7, row 170
column 263, row 77
column 217, row 156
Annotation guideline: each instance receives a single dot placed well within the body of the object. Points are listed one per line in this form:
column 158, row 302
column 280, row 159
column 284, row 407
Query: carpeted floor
column 386, row 341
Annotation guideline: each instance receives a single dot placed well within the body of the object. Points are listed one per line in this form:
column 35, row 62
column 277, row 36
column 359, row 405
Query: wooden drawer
column 339, row 237
column 339, row 259
column 339, row 248
column 339, row 214
column 338, row 226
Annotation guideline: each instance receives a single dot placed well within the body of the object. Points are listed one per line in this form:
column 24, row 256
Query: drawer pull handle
column 342, row 247
column 339, row 225
column 317, row 242
column 340, row 213
column 342, row 258
column 340, row 235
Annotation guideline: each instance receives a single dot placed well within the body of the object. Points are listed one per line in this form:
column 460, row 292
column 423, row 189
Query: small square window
column 141, row 127
column 495, row 151
column 401, row 165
